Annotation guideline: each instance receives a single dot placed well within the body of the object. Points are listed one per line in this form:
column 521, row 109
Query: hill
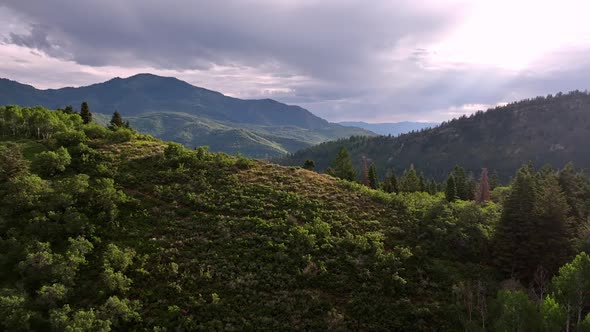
column 545, row 130
column 393, row 128
column 106, row 230
column 257, row 128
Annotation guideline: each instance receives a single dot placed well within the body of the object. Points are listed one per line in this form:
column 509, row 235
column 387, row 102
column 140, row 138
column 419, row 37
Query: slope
column 545, row 130
column 135, row 233
column 393, row 128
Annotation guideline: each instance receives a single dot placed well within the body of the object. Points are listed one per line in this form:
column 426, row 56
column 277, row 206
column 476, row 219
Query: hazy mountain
column 176, row 110
column 392, row 128
column 546, row 130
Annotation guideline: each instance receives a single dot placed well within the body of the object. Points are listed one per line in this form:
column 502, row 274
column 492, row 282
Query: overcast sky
column 376, row 61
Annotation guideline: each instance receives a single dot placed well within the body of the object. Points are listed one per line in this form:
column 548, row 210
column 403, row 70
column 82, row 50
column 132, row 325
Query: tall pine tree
column 116, row 121
column 342, row 166
column 451, row 189
column 483, row 189
column 390, row 183
column 373, row 180
column 85, row 113
column 514, row 248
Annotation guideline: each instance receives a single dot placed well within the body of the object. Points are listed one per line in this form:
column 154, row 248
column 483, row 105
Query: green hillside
column 545, row 130
column 174, row 110
column 106, row 230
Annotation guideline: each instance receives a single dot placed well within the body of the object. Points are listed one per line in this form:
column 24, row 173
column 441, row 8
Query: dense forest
column 105, row 229
column 544, row 130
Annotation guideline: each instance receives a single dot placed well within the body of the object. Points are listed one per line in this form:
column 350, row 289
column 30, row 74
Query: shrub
column 70, row 138
column 49, row 163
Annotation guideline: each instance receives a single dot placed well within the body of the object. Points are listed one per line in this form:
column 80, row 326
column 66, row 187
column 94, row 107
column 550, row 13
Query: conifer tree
column 309, row 165
column 515, row 252
column 451, row 189
column 342, row 166
column 483, row 189
column 85, row 113
column 116, row 121
column 365, row 179
column 410, row 182
column 373, row 180
column 390, row 184
column 494, row 180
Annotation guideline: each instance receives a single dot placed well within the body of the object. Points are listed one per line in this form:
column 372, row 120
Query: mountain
column 175, row 110
column 545, row 130
column 393, row 129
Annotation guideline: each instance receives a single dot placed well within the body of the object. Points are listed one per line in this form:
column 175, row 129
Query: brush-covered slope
column 256, row 127
column 112, row 230
column 546, row 130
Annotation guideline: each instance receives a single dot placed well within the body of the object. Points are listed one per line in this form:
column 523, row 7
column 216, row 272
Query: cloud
column 380, row 60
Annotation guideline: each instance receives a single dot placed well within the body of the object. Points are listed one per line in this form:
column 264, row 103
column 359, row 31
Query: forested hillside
column 545, row 130
column 174, row 110
column 107, row 229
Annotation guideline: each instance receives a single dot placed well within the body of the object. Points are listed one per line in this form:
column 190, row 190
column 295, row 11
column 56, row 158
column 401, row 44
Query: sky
column 373, row 61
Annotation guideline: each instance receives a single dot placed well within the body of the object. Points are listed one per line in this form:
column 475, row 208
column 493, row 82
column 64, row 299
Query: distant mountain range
column 551, row 130
column 393, row 128
column 175, row 110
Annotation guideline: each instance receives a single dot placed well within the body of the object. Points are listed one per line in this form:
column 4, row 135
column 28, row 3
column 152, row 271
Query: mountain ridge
column 143, row 95
column 543, row 130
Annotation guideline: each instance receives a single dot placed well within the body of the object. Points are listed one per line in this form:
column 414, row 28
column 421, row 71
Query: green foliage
column 409, row 181
column 12, row 162
column 451, row 189
column 85, row 113
column 49, row 163
column 70, row 138
column 342, row 166
column 553, row 315
column 309, row 165
column 515, row 312
column 373, row 180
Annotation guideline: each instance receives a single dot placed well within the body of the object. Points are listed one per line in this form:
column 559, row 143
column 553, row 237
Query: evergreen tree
column 515, row 252
column 410, row 182
column 451, row 189
column 309, row 165
column 342, row 166
column 461, row 182
column 483, row 189
column 365, row 179
column 390, row 184
column 552, row 229
column 116, row 121
column 373, row 180
column 494, row 180
column 85, row 113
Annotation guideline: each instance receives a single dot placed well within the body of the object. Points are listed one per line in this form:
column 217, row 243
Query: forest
column 106, row 229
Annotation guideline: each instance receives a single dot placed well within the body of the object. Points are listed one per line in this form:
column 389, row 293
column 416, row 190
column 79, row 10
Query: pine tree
column 342, row 166
column 390, row 184
column 451, row 189
column 365, row 180
column 483, row 189
column 553, row 226
column 85, row 113
column 515, row 252
column 494, row 180
column 116, row 121
column 309, row 165
column 373, row 180
column 410, row 182
column 462, row 183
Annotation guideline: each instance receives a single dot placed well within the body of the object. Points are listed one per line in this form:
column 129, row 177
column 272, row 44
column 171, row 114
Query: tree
column 309, row 165
column 451, row 189
column 516, row 312
column 85, row 113
column 483, row 189
column 12, row 162
column 410, row 182
column 390, row 182
column 49, row 163
column 572, row 287
column 116, row 121
column 494, row 180
column 365, row 179
column 342, row 166
column 515, row 252
column 373, row 180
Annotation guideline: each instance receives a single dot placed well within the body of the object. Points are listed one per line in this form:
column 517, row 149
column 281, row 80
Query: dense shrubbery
column 110, row 230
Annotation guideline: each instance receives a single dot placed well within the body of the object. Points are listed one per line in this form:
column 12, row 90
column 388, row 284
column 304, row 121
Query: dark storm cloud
column 342, row 59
